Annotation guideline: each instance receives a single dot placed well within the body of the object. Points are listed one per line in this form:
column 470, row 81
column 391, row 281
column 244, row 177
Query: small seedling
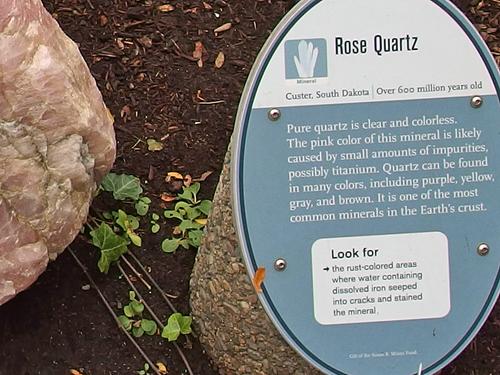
column 144, row 370
column 129, row 224
column 133, row 321
column 155, row 227
column 142, row 206
column 192, row 214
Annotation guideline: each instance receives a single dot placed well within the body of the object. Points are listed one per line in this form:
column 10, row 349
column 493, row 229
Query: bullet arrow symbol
column 326, row 269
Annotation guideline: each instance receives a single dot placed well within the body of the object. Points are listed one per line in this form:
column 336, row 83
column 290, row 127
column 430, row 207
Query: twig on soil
column 110, row 309
column 164, row 294
column 153, row 314
column 210, row 103
column 117, row 127
column 178, row 51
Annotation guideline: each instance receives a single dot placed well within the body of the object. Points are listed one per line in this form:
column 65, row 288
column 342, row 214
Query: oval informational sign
column 366, row 183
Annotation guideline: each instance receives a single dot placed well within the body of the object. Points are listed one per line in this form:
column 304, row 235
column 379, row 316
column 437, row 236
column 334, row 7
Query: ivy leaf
column 205, row 206
column 122, row 186
column 177, row 324
column 185, row 324
column 110, row 244
column 172, row 330
column 170, row 245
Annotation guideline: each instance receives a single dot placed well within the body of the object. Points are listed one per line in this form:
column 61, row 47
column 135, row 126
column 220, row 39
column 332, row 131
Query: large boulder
column 56, row 142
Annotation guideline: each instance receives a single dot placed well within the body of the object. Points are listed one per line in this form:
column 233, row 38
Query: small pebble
column 86, row 287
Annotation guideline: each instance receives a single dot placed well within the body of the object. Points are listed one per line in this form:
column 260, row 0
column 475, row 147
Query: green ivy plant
column 128, row 223
column 133, row 321
column 192, row 214
column 112, row 245
column 117, row 230
column 177, row 324
column 123, row 186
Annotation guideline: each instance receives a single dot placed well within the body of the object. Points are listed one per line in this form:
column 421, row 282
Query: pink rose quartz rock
column 56, row 142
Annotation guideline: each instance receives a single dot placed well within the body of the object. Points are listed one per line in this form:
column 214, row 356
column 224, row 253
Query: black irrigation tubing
column 136, row 272
column 110, row 309
column 155, row 317
column 153, row 281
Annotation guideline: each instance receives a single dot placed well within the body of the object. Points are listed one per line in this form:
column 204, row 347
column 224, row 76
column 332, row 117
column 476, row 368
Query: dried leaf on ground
column 145, row 41
column 219, row 60
column 75, row 372
column 223, row 27
column 168, row 197
column 258, row 279
column 103, row 20
column 154, row 145
column 119, row 43
column 171, row 175
column 165, row 8
column 161, row 368
column 125, row 113
column 198, row 53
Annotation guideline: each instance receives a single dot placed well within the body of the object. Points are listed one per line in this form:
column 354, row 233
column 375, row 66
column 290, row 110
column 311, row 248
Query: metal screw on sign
column 483, row 249
column 280, row 264
column 274, row 114
column 476, row 102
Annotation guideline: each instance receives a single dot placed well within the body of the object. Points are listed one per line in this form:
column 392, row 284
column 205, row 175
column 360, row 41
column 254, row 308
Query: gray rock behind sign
column 56, row 142
column 232, row 325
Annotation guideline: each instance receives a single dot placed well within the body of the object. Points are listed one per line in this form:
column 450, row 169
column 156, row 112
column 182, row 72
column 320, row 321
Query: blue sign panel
column 366, row 183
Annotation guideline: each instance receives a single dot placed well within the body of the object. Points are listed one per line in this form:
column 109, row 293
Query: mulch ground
column 143, row 62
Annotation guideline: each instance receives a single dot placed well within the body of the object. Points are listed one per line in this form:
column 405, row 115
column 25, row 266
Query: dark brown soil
column 142, row 61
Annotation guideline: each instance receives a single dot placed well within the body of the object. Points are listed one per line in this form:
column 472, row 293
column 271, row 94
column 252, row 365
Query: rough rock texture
column 232, row 325
column 56, row 142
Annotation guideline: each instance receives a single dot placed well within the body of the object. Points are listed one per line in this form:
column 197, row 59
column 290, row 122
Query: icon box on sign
column 305, row 58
